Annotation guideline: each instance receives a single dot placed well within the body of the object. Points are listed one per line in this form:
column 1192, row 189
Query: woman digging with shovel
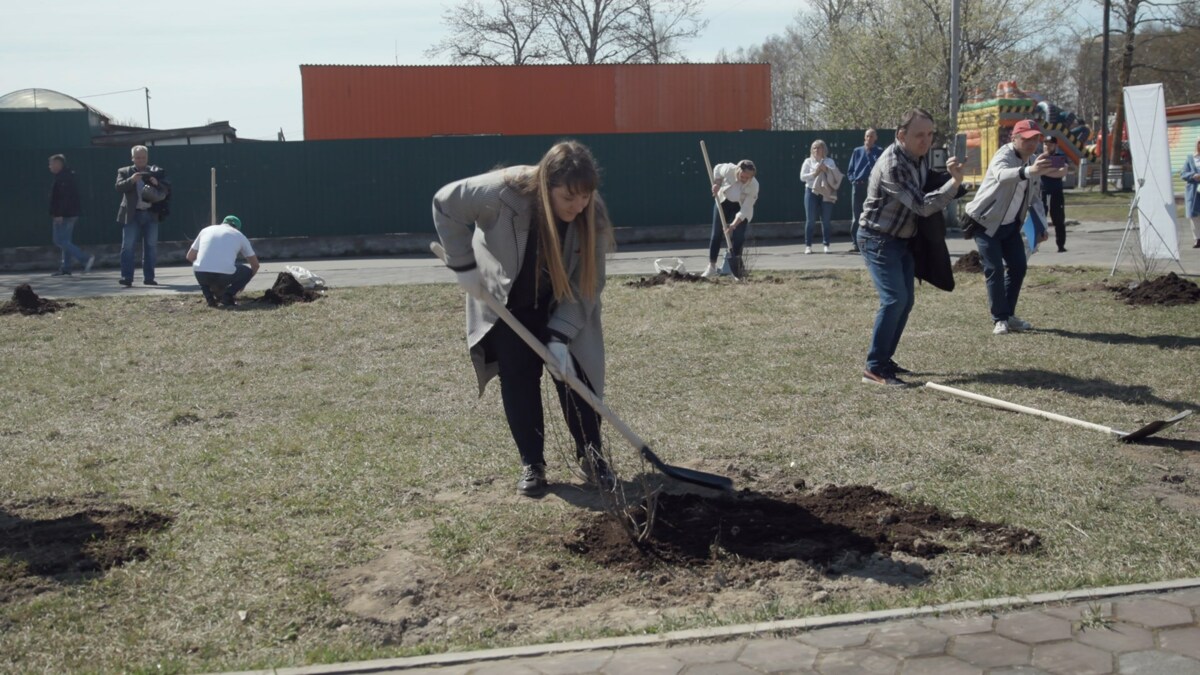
column 535, row 239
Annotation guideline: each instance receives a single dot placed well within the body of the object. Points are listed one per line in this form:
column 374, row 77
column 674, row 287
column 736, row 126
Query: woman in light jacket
column 821, row 180
column 535, row 238
column 1191, row 200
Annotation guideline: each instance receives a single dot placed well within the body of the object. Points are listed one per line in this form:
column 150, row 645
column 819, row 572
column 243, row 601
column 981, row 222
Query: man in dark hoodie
column 64, row 212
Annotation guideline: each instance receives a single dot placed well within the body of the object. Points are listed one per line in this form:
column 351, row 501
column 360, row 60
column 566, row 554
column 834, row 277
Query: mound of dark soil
column 970, row 262
column 47, row 542
column 816, row 527
column 25, row 301
column 664, row 278
column 1168, row 290
column 287, row 290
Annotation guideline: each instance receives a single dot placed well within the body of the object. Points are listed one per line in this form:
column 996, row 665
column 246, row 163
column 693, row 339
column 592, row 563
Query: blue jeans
column 62, row 239
column 737, row 237
column 1003, row 250
column 814, row 204
column 890, row 263
column 143, row 224
column 229, row 285
column 858, row 196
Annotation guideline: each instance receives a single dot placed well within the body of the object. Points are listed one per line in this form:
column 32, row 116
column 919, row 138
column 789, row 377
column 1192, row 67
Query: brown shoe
column 887, row 379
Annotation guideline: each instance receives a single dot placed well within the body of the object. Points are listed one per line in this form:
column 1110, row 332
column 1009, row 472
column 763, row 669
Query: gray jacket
column 127, row 185
column 483, row 221
column 995, row 194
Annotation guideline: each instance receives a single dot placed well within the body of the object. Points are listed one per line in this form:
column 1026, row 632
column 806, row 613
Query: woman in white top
column 1191, row 186
column 736, row 189
column 821, row 180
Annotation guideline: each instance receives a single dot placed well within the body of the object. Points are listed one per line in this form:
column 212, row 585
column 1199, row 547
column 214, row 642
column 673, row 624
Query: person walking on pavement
column 821, row 180
column 1191, row 200
column 1052, row 192
column 995, row 218
column 536, row 239
column 862, row 160
column 64, row 213
column 895, row 198
column 214, row 257
column 735, row 187
column 142, row 186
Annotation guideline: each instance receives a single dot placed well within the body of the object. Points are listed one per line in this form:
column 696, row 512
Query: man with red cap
column 995, row 216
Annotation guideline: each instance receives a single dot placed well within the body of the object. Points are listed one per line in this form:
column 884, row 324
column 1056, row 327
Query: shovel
column 680, row 473
column 1145, row 432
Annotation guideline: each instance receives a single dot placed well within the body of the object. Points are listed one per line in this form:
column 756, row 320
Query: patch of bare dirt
column 25, row 301
column 46, row 543
column 969, row 262
column 1165, row 290
column 287, row 290
column 667, row 277
column 713, row 554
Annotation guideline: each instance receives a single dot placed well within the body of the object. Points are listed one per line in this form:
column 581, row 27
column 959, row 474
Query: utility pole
column 955, row 66
column 147, row 107
column 1103, row 146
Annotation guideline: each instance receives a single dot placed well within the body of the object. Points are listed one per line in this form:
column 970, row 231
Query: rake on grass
column 693, row 476
column 1125, row 437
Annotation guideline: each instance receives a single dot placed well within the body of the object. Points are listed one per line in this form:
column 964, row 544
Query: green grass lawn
column 1093, row 205
column 291, row 444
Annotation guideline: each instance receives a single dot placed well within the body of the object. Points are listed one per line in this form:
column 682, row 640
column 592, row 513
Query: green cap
column 234, row 221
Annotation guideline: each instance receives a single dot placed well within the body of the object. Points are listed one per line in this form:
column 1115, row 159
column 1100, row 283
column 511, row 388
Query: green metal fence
column 335, row 188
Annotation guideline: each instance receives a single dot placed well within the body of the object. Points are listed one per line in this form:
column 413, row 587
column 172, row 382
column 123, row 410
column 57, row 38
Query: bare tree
column 570, row 31
column 513, row 34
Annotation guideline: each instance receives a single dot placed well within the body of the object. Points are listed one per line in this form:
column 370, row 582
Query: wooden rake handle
column 998, row 403
column 717, row 199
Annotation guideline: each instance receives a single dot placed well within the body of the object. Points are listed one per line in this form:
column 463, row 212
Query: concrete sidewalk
column 1092, row 244
column 1147, row 629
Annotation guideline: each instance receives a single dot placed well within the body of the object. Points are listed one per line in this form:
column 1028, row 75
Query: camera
column 937, row 159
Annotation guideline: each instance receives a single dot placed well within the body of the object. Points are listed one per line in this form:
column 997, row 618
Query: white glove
column 471, row 282
column 563, row 363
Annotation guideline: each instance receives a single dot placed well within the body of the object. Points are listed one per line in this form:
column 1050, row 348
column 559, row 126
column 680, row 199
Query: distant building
column 98, row 126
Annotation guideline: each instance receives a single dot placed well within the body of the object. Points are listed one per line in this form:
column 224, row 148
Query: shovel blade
column 701, row 478
column 1154, row 427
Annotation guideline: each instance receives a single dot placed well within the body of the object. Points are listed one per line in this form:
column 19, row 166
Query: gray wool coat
column 483, row 221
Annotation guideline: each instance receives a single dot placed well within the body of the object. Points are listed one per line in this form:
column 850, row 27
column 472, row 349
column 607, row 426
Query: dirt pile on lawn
column 1166, row 290
column 666, row 277
column 969, row 262
column 50, row 542
column 719, row 555
column 287, row 290
column 817, row 528
column 25, row 301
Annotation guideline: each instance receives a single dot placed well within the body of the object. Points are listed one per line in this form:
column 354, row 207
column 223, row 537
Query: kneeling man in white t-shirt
column 214, row 257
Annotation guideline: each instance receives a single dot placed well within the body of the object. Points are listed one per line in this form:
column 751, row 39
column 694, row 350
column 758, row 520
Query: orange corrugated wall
column 343, row 102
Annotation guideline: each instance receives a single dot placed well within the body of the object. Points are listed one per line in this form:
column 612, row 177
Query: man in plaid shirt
column 895, row 198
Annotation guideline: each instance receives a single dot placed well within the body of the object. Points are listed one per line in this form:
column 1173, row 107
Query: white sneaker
column 1001, row 328
column 827, row 249
column 710, row 271
column 807, row 250
column 1018, row 325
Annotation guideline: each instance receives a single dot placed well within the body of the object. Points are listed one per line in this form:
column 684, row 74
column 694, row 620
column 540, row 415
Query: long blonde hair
column 568, row 164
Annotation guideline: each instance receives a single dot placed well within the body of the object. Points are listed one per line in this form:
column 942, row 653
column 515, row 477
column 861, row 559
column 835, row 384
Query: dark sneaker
column 61, row 273
column 149, row 282
column 228, row 301
column 533, row 479
column 126, row 282
column 898, row 369
column 212, row 302
column 888, row 379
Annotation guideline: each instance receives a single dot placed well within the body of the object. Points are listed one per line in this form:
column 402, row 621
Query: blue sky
column 239, row 61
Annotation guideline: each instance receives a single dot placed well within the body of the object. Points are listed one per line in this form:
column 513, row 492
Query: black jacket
column 64, row 196
column 931, row 257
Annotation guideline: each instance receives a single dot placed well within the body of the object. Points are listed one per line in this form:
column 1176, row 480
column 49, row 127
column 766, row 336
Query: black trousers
column 737, row 238
column 521, row 391
column 1053, row 201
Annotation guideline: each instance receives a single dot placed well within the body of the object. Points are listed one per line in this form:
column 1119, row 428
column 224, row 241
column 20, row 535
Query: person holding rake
column 535, row 238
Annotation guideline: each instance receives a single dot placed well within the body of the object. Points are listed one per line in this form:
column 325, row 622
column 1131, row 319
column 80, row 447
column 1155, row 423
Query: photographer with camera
column 144, row 190
column 995, row 217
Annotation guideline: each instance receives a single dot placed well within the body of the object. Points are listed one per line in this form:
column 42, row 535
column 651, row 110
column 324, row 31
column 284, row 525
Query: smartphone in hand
column 1058, row 161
